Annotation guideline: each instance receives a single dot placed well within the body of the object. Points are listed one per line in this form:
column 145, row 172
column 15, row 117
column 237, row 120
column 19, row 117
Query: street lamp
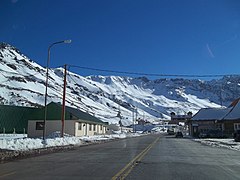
column 46, row 84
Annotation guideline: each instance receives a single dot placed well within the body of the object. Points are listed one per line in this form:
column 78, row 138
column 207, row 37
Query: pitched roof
column 235, row 102
column 234, row 113
column 230, row 113
column 211, row 114
column 78, row 114
column 82, row 115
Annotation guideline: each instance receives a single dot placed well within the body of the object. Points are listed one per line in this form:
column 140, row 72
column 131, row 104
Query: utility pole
column 64, row 98
column 222, row 95
column 120, row 117
column 133, row 117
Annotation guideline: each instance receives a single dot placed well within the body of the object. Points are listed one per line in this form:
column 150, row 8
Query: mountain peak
column 4, row 45
column 23, row 83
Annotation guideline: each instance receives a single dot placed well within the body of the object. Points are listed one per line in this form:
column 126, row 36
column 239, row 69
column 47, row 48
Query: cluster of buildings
column 30, row 121
column 18, row 119
column 225, row 120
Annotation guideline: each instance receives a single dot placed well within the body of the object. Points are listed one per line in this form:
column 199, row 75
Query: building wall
column 86, row 129
column 71, row 127
column 227, row 126
column 14, row 119
column 51, row 126
column 195, row 127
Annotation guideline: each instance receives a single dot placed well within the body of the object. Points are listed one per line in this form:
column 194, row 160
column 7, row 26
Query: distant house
column 206, row 119
column 142, row 121
column 77, row 122
column 18, row 119
column 226, row 120
column 179, row 119
column 231, row 120
column 142, row 125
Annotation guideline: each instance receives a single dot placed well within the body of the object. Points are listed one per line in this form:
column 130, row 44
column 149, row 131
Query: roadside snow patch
column 54, row 140
column 227, row 143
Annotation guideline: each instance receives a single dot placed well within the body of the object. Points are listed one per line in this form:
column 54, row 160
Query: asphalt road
column 183, row 159
column 147, row 157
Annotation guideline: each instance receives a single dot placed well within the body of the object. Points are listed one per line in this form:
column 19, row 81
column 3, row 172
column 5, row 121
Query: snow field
column 226, row 143
column 22, row 143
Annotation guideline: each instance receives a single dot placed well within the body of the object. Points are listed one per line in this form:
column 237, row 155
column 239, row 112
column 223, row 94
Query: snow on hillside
column 23, row 83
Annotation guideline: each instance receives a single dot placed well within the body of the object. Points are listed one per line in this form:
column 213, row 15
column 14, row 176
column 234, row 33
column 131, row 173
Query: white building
column 77, row 122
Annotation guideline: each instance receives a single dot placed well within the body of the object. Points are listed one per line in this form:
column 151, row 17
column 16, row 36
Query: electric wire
column 60, row 94
column 152, row 74
column 75, row 83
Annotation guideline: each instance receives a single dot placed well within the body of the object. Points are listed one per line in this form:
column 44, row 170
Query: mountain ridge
column 23, row 83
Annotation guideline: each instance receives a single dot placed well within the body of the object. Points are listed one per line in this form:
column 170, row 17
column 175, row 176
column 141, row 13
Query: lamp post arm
column 65, row 41
column 54, row 44
column 46, row 88
column 46, row 85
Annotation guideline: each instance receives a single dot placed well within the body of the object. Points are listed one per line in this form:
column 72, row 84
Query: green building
column 15, row 119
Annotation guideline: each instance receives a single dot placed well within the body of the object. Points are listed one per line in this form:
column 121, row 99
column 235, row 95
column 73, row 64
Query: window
column 90, row 127
column 219, row 126
column 101, row 127
column 236, row 126
column 94, row 127
column 79, row 126
column 39, row 125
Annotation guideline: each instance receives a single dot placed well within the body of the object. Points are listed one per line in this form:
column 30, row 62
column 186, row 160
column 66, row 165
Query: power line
column 128, row 73
column 152, row 74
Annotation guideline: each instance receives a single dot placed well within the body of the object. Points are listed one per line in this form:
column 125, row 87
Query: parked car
column 170, row 132
column 213, row 133
column 236, row 136
column 179, row 135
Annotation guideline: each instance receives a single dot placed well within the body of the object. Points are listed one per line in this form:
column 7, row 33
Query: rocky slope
column 22, row 82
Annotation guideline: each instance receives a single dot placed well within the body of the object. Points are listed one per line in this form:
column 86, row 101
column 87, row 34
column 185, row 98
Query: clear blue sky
column 149, row 36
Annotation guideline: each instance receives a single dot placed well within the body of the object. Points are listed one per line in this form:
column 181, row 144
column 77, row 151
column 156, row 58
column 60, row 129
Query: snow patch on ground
column 22, row 143
column 226, row 143
column 12, row 136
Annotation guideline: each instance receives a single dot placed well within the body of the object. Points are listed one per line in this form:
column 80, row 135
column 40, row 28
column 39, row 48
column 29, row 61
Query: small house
column 207, row 119
column 77, row 122
column 231, row 120
column 226, row 120
column 180, row 119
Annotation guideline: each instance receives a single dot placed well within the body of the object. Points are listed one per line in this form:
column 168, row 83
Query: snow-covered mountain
column 22, row 82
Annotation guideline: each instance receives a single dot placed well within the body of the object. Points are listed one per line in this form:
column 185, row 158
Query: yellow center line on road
column 124, row 172
column 7, row 174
